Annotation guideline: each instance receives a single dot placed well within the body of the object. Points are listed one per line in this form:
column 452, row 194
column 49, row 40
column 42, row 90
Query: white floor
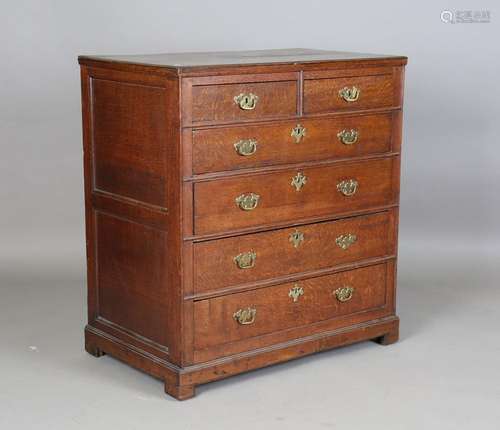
column 443, row 374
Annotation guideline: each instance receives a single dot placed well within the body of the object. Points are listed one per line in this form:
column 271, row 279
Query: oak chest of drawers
column 241, row 208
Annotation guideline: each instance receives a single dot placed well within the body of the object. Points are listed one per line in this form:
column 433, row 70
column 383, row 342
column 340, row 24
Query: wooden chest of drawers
column 241, row 208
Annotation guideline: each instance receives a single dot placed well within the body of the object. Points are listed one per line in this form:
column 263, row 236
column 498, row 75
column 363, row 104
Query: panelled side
column 132, row 201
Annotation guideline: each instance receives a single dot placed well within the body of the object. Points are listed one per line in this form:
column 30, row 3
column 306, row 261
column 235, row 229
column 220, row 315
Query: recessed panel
column 129, row 140
column 131, row 276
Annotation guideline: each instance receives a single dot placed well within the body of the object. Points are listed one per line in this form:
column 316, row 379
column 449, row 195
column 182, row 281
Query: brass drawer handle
column 246, row 101
column 247, row 202
column 298, row 133
column 344, row 294
column 295, row 292
column 245, row 260
column 298, row 181
column 245, row 316
column 348, row 187
column 344, row 241
column 348, row 137
column 296, row 238
column 350, row 94
column 246, row 147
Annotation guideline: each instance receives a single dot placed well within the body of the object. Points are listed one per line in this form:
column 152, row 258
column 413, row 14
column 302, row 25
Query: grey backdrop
column 442, row 373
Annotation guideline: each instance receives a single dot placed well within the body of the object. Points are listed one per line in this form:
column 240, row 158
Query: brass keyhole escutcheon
column 298, row 181
column 295, row 292
column 298, row 133
column 296, row 238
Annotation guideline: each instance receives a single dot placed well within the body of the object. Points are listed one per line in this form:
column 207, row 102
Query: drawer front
column 223, row 263
column 231, row 148
column 265, row 199
column 254, row 313
column 244, row 101
column 348, row 93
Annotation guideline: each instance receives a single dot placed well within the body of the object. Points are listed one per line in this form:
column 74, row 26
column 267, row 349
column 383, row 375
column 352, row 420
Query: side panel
column 133, row 287
column 130, row 140
column 132, row 203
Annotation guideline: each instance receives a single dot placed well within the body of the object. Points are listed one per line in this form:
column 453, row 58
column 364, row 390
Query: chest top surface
column 228, row 58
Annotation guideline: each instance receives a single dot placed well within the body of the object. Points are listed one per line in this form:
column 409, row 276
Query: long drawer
column 223, row 263
column 258, row 312
column 291, row 195
column 237, row 147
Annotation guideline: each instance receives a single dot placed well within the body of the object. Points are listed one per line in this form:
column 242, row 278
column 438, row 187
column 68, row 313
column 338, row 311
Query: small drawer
column 231, row 148
column 237, row 203
column 223, row 263
column 347, row 297
column 243, row 101
column 338, row 94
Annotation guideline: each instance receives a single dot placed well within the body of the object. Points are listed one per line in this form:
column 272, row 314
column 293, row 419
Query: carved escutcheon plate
column 295, row 292
column 298, row 181
column 298, row 133
column 296, row 238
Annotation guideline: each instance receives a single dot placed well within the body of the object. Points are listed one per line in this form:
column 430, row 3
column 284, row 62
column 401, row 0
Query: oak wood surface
column 296, row 332
column 132, row 286
column 129, row 140
column 162, row 227
column 322, row 95
column 276, row 255
column 216, row 369
column 216, row 210
column 215, row 103
column 276, row 310
column 122, row 284
column 195, row 59
column 214, row 150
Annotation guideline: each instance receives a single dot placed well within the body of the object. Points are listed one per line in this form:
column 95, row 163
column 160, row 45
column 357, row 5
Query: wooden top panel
column 237, row 58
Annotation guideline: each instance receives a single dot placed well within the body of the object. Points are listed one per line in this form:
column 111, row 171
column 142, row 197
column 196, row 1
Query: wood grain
column 129, row 140
column 241, row 62
column 162, row 226
column 322, row 95
column 215, row 103
column 214, row 266
column 213, row 148
column 215, row 209
column 275, row 310
column 132, row 286
column 182, row 380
